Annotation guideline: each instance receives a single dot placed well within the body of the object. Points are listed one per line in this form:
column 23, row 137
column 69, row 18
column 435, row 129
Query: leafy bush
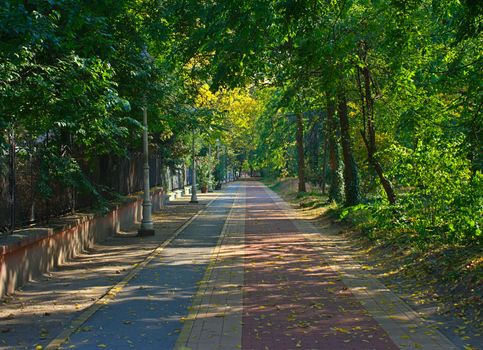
column 439, row 196
column 205, row 170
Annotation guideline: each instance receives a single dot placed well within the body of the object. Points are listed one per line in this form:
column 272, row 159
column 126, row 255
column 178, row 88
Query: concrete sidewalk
column 146, row 312
column 215, row 318
column 38, row 312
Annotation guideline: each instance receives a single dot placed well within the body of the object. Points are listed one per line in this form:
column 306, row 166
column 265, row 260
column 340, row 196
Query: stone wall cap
column 30, row 235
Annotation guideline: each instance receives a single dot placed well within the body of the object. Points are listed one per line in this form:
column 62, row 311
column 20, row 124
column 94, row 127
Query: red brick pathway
column 291, row 298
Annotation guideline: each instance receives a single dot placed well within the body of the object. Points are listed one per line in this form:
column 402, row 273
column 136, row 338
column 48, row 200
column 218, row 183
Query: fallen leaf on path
column 340, row 329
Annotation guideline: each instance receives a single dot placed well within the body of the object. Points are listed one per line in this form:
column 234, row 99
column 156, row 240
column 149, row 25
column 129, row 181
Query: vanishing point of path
column 247, row 273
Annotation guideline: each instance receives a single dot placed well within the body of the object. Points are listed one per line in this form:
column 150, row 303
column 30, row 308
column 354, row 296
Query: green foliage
column 219, row 174
column 351, row 210
column 76, row 75
column 425, row 73
column 63, row 170
column 441, row 199
column 205, row 168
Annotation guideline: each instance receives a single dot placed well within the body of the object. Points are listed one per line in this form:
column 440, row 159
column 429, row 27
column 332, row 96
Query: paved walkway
column 40, row 310
column 277, row 283
column 247, row 273
column 146, row 311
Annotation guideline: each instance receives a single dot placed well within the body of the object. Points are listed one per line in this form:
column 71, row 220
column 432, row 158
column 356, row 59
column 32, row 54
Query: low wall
column 30, row 252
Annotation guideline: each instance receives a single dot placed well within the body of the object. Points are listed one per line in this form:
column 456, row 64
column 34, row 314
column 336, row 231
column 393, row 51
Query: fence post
column 32, row 182
column 12, row 179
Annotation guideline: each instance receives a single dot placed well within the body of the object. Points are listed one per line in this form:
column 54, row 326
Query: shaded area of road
column 40, row 310
column 148, row 312
column 250, row 273
column 292, row 299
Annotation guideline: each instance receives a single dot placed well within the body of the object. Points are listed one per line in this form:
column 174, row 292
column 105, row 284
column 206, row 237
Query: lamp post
column 210, row 177
column 218, row 150
column 226, row 165
column 194, row 198
column 219, row 174
column 147, row 228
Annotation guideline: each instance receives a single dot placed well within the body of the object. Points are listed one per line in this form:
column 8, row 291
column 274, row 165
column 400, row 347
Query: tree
column 335, row 193
column 351, row 177
column 300, row 152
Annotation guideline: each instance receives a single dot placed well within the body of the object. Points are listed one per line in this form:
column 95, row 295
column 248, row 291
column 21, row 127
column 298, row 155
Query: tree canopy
column 379, row 100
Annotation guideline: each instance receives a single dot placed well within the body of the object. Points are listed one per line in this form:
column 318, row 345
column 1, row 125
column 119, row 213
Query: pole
column 226, row 165
column 147, row 228
column 32, row 180
column 210, row 180
column 194, row 198
column 13, row 199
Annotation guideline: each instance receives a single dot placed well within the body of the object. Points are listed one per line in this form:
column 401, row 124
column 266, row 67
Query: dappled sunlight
column 56, row 297
column 367, row 109
column 292, row 297
column 261, row 278
column 157, row 298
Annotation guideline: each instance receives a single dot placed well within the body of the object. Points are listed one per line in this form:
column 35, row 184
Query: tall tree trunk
column 312, row 145
column 324, row 164
column 351, row 177
column 369, row 132
column 335, row 192
column 300, row 152
column 386, row 184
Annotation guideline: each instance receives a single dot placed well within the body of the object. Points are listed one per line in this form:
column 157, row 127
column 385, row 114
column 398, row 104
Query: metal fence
column 22, row 204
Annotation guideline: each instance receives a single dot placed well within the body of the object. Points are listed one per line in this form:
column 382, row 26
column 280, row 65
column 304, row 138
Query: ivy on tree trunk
column 300, row 152
column 335, row 192
column 351, row 176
